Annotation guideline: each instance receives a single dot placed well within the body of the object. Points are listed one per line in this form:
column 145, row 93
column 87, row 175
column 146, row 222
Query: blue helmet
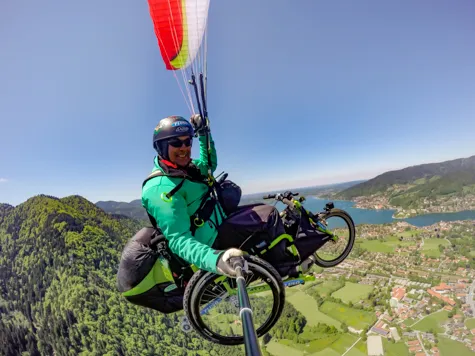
column 172, row 126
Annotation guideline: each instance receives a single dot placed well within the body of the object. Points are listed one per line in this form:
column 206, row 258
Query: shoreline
column 397, row 210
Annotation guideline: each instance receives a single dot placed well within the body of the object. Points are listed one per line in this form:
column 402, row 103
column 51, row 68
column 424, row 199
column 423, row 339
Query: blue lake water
column 368, row 216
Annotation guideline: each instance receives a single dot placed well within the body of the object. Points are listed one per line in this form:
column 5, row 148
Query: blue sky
column 299, row 95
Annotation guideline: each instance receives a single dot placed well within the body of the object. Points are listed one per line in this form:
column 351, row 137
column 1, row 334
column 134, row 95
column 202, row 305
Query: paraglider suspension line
column 203, row 113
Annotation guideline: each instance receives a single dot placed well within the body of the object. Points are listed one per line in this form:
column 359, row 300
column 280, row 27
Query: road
column 470, row 295
column 350, row 347
column 422, row 344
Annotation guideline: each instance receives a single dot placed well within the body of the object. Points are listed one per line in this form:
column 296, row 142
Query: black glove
column 224, row 266
column 200, row 126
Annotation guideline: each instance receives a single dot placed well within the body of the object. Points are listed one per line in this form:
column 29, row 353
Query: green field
column 353, row 292
column 397, row 349
column 450, row 347
column 331, row 345
column 409, row 233
column 376, row 246
column 275, row 348
column 420, row 181
column 358, row 319
column 432, row 321
column 344, row 342
column 390, row 242
column 470, row 323
column 312, row 346
column 327, row 287
column 409, row 321
column 431, row 247
column 360, row 349
column 306, row 305
column 322, row 344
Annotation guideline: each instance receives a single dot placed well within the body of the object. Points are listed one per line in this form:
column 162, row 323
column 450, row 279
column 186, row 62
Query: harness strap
column 202, row 214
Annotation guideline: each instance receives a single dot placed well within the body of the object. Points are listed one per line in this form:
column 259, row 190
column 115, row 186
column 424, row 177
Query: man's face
column 179, row 150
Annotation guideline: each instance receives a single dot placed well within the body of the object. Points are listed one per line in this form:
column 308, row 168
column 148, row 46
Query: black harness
column 208, row 200
column 181, row 270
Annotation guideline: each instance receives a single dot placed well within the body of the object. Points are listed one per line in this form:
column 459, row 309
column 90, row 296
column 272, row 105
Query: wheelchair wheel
column 336, row 249
column 208, row 313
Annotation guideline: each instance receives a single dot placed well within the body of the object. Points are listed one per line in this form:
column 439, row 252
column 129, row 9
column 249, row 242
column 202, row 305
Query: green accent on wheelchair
column 279, row 239
column 194, row 268
column 220, row 279
column 328, row 232
column 309, row 278
column 297, row 204
column 198, row 224
column 165, row 198
column 160, row 273
column 225, row 284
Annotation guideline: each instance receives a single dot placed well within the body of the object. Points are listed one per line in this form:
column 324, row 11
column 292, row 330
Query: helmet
column 172, row 126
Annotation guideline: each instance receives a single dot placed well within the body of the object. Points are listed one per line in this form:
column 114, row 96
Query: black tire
column 201, row 279
column 351, row 240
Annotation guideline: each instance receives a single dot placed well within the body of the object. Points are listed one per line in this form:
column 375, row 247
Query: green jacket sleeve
column 202, row 162
column 174, row 221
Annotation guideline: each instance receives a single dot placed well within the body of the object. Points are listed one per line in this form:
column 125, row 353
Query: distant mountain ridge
column 431, row 187
column 133, row 209
column 455, row 173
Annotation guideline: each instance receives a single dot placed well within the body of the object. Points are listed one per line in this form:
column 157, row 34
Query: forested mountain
column 133, row 209
column 58, row 296
column 426, row 180
column 4, row 210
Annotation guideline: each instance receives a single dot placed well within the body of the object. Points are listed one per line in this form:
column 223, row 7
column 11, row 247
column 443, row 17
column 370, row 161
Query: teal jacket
column 173, row 217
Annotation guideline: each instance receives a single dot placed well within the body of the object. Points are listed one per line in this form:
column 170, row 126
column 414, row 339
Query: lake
column 368, row 216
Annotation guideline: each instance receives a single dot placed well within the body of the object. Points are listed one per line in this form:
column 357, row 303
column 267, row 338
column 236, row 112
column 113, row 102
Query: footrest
column 309, row 278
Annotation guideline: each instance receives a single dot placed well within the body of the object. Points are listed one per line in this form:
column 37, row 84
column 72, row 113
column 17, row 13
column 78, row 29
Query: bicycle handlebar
column 285, row 198
column 288, row 202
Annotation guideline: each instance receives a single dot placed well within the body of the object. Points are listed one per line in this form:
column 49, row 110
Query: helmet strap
column 162, row 149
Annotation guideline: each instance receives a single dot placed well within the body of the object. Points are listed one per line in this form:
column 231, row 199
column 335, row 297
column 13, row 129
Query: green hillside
column 58, row 296
column 405, row 186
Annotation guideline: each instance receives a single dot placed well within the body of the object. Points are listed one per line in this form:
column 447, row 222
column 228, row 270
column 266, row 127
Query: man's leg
column 246, row 222
column 252, row 229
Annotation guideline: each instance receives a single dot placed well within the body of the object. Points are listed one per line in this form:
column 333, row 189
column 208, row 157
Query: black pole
column 203, row 96
column 193, row 82
column 251, row 343
column 205, row 117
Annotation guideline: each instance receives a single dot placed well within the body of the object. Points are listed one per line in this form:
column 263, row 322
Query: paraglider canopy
column 181, row 27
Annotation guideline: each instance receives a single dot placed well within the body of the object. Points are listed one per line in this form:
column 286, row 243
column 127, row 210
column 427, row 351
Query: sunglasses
column 177, row 143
